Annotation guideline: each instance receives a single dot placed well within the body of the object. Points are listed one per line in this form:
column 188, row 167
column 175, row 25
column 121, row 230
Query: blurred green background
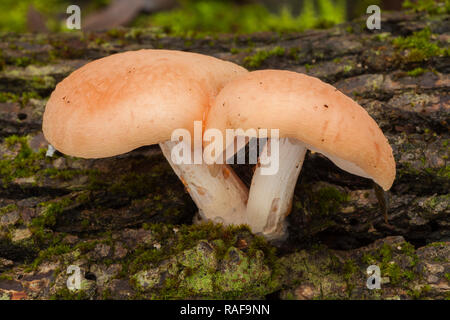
column 190, row 17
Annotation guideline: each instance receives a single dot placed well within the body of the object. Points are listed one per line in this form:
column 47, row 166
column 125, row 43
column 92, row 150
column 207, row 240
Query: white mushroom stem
column 270, row 198
column 219, row 194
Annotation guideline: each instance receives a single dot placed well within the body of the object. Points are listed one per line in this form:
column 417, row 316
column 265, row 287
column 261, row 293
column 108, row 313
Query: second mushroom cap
column 306, row 109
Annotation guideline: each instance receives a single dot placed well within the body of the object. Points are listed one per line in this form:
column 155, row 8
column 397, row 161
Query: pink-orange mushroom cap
column 118, row 103
column 311, row 111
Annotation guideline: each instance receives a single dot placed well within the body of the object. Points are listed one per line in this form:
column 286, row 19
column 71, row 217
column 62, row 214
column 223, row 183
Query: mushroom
column 309, row 114
column 137, row 98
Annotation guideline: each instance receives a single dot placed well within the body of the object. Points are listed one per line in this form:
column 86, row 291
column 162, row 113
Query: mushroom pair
column 116, row 104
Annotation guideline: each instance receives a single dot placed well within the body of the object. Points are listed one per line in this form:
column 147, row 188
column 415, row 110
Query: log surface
column 127, row 221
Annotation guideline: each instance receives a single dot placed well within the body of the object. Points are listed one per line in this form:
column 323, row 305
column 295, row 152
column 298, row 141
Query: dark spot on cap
column 325, row 106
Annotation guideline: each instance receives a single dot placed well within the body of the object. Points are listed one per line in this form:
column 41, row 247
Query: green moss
column 133, row 184
column 234, row 50
column 66, row 294
column 294, row 53
column 7, row 208
column 250, row 273
column 13, row 14
column 409, row 250
column 368, row 259
column 350, row 272
column 436, row 244
column 24, row 164
column 394, row 272
column 321, row 269
column 444, row 172
column 51, row 210
column 350, row 269
column 420, row 292
column 54, row 247
column 198, row 18
column 63, row 174
column 348, row 68
column 136, row 33
column 320, row 201
column 416, row 72
column 86, row 246
column 11, row 141
column 189, row 266
column 22, row 99
column 382, row 36
column 85, row 223
column 6, row 277
column 432, row 7
column 419, row 47
column 106, row 294
column 385, row 258
column 22, row 61
column 425, row 173
column 49, row 254
column 255, row 60
column 116, row 33
column 327, row 200
column 65, row 50
column 145, row 226
column 435, row 204
column 308, row 67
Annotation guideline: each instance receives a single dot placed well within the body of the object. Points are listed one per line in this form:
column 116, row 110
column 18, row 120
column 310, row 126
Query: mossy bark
column 127, row 221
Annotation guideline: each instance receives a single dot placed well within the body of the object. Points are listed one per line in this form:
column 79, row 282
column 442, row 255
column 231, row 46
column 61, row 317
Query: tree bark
column 127, row 220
